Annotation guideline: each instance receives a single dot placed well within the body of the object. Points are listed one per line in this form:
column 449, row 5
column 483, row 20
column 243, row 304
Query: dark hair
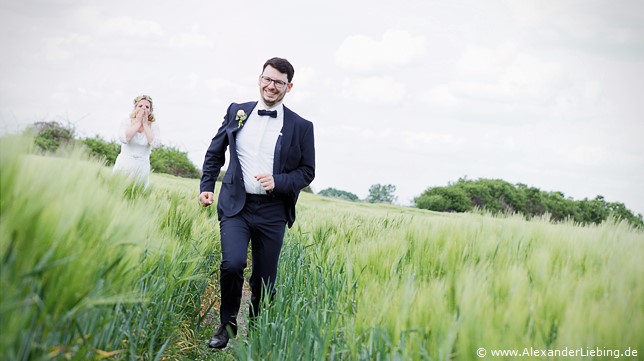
column 282, row 65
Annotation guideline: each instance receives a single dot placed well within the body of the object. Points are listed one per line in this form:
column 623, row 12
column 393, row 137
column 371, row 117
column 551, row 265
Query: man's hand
column 267, row 181
column 206, row 198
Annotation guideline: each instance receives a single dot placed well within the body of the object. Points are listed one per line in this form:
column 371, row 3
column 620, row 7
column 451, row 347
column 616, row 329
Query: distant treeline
column 50, row 136
column 498, row 196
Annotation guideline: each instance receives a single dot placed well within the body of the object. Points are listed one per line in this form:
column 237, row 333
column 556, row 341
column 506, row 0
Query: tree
column 534, row 204
column 382, row 193
column 619, row 211
column 337, row 193
column 560, row 207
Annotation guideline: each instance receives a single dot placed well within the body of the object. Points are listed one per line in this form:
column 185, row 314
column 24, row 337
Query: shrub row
column 50, row 136
column 498, row 196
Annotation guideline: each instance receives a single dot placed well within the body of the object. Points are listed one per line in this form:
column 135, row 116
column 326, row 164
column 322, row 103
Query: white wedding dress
column 134, row 158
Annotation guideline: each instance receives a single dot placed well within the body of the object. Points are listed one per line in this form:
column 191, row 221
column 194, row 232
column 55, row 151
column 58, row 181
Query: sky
column 414, row 93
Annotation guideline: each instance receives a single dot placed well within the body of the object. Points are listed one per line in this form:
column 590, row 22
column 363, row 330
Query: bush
column 337, row 193
column 49, row 136
column 498, row 196
column 170, row 160
column 444, row 199
column 102, row 150
column 433, row 202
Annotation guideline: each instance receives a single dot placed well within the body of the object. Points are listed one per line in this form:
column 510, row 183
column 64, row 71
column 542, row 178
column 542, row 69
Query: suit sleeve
column 293, row 181
column 215, row 157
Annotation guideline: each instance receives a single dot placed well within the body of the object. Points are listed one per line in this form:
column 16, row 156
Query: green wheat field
column 95, row 268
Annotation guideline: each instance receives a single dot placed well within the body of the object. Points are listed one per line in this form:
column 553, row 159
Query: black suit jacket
column 293, row 164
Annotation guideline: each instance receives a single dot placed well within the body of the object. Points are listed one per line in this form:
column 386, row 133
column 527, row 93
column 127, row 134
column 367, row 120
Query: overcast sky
column 410, row 93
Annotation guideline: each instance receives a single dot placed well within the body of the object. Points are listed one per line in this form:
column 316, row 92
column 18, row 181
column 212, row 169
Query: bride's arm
column 129, row 132
column 149, row 132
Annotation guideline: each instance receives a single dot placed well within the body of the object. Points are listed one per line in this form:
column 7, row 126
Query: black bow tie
column 270, row 113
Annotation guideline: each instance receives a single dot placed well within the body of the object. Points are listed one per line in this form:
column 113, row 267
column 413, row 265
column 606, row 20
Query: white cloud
column 362, row 53
column 306, row 75
column 374, row 90
column 594, row 24
column 504, row 74
column 508, row 70
column 129, row 26
column 124, row 25
column 531, row 76
column 587, row 94
column 598, row 31
column 485, row 62
column 600, row 156
column 60, row 47
column 194, row 38
column 440, row 96
column 88, row 15
column 539, row 13
column 304, row 85
column 432, row 141
column 405, row 139
column 218, row 85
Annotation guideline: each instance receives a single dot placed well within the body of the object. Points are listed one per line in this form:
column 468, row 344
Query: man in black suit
column 272, row 158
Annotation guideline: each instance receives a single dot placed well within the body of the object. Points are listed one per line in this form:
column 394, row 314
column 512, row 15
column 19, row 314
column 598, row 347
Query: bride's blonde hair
column 138, row 99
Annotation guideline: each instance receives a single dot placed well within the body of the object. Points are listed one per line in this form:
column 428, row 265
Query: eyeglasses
column 278, row 83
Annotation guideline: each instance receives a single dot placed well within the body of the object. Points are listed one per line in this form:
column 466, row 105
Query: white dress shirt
column 256, row 142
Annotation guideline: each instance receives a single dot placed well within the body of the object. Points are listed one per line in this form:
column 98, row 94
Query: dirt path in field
column 211, row 318
column 243, row 315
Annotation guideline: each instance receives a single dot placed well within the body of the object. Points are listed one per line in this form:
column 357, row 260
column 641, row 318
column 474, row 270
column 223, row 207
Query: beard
column 276, row 97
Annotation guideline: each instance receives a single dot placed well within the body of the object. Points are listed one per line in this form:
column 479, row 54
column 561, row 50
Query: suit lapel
column 233, row 127
column 247, row 108
column 287, row 137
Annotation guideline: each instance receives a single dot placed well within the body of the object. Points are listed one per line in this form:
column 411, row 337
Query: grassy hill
column 95, row 268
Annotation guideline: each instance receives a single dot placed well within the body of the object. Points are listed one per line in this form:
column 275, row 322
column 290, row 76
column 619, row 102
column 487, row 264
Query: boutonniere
column 240, row 118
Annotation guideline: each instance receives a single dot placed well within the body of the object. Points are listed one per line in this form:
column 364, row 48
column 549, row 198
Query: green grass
column 407, row 284
column 94, row 268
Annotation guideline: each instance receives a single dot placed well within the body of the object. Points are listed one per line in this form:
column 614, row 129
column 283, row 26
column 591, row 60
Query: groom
column 272, row 157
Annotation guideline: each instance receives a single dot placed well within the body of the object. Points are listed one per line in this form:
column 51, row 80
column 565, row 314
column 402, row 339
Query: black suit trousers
column 262, row 222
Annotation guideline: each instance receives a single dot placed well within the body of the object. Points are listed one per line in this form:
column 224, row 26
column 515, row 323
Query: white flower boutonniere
column 240, row 118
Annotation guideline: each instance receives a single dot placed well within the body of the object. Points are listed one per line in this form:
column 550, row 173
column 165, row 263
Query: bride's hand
column 145, row 120
column 139, row 114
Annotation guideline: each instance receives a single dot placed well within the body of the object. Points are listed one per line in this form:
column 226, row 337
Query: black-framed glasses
column 278, row 83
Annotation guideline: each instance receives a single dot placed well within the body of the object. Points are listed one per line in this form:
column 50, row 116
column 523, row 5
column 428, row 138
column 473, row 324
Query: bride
column 138, row 135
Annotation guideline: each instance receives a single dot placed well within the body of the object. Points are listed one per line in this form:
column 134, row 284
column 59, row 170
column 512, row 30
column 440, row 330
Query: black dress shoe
column 224, row 333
